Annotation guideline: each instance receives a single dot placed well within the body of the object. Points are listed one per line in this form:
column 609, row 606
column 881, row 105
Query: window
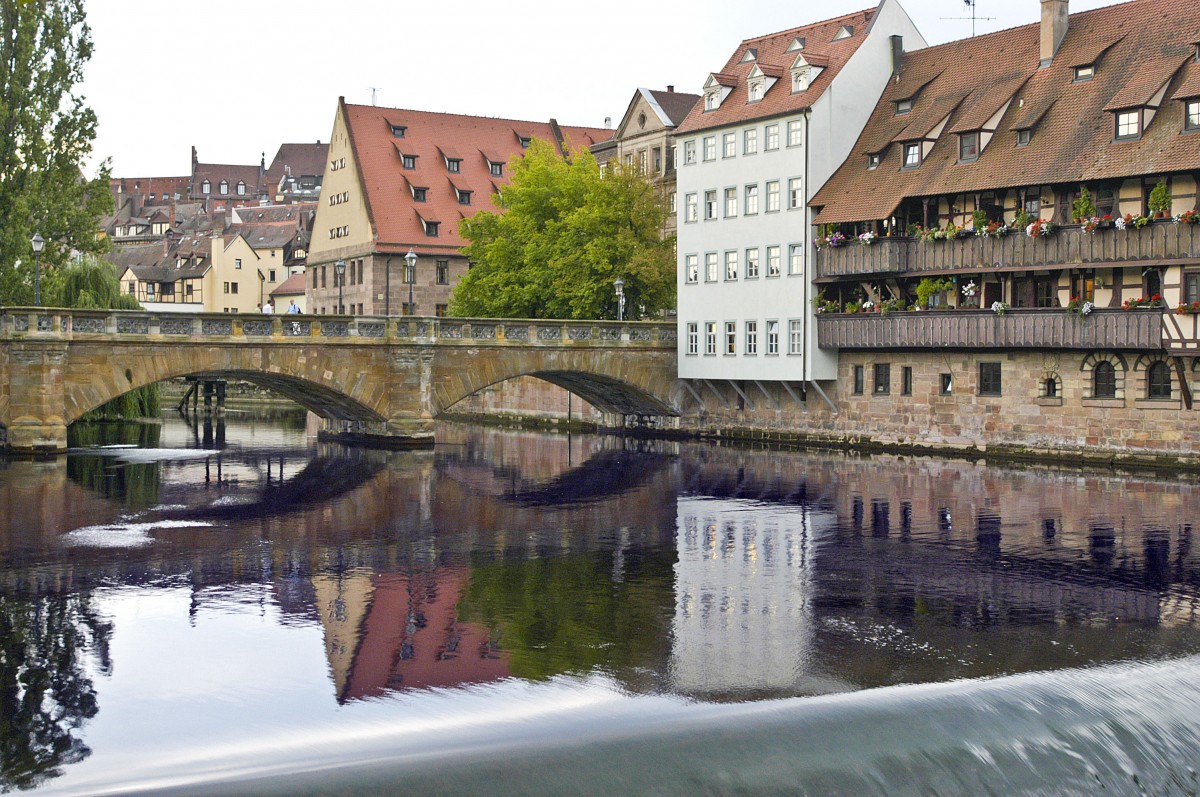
column 756, row 91
column 657, row 160
column 132, row 286
column 1050, row 387
column 947, row 385
column 710, row 337
column 1158, row 381
column 1104, row 381
column 750, row 141
column 689, row 152
column 1191, row 116
column 241, row 188
column 453, row 165
column 710, row 148
column 224, row 287
column 642, row 161
column 795, row 133
column 1023, row 137
column 1152, row 282
column 752, row 337
column 1085, row 72
column 398, row 131
column 859, row 380
column 772, row 337
column 752, row 263
column 1191, row 287
column 418, row 194
column 795, row 259
column 968, row 146
column 883, row 379
column 729, row 145
column 731, row 203
column 711, row 101
column 795, row 336
column 710, row 266
column 873, row 160
column 464, row 197
column 795, row 193
column 237, row 263
column 206, row 187
column 906, row 380
column 232, row 287
column 693, row 338
column 772, row 137
column 692, row 268
column 690, row 209
column 731, row 266
column 751, row 200
column 496, row 169
column 443, row 272
column 224, row 187
column 1129, row 124
column 730, row 337
column 674, row 198
column 772, row 196
column 773, row 261
column 989, row 379
column 912, row 155
column 271, row 276
column 904, row 106
column 431, row 228
column 710, row 204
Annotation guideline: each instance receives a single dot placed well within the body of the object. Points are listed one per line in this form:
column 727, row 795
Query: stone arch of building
column 1144, row 361
column 1116, row 358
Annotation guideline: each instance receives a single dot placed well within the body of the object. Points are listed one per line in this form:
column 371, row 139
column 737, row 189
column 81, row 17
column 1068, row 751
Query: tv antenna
column 373, row 90
column 969, row 4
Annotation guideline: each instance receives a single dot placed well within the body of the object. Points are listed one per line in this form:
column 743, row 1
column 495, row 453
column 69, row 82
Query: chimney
column 1054, row 28
column 670, row 89
column 897, row 54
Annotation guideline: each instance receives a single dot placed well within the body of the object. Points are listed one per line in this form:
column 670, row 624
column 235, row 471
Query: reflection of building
column 743, row 593
column 400, row 631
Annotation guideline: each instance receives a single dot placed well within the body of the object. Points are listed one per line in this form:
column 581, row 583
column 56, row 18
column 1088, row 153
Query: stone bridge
column 378, row 377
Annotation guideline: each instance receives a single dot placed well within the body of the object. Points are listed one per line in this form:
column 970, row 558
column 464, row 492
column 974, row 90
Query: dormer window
column 241, row 188
column 398, row 131
column 844, row 32
column 1023, row 137
column 224, row 187
column 464, row 197
column 751, row 54
column 206, row 187
column 968, row 146
column 712, row 101
column 1191, row 115
column 418, row 194
column 525, row 141
column 496, row 169
column 800, row 80
column 1129, row 124
column 431, row 228
column 1084, row 72
column 904, row 106
column 796, row 45
column 873, row 160
column 912, row 155
column 409, row 161
column 453, row 164
column 756, row 91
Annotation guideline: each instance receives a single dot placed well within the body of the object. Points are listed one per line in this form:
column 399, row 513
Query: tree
column 566, row 233
column 46, row 133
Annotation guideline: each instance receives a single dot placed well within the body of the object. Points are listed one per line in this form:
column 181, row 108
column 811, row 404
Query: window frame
column 691, row 208
column 772, row 337
column 751, row 262
column 912, row 148
column 774, row 260
column 1104, row 380
column 730, row 339
column 710, row 338
column 881, row 383
column 750, row 141
column 796, row 337
column 906, row 380
column 1083, row 73
column 968, row 146
column 691, row 269
column 991, row 378
column 693, row 339
column 731, row 265
column 750, row 200
column 859, row 380
column 771, row 137
column 729, row 144
column 795, row 133
column 750, row 339
column 772, row 205
column 1158, row 387
column 1191, row 115
column 709, row 148
column 1122, row 118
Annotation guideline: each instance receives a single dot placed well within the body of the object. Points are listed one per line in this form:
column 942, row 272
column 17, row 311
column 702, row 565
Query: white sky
column 237, row 78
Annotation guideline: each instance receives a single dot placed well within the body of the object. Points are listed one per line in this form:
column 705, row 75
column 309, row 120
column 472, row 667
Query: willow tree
column 46, row 134
column 566, row 232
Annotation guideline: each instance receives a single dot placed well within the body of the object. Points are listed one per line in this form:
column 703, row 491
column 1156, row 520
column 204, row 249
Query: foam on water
column 123, row 535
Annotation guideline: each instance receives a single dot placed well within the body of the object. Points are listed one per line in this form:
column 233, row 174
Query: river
column 238, row 610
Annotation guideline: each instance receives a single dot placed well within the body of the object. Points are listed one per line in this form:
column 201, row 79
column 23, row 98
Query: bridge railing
column 48, row 322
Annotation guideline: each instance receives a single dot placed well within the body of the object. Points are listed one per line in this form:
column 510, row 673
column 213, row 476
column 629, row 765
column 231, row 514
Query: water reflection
column 710, row 574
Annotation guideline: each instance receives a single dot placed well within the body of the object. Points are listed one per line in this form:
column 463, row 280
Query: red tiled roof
column 675, row 104
column 1072, row 138
column 395, row 215
column 772, row 53
column 292, row 286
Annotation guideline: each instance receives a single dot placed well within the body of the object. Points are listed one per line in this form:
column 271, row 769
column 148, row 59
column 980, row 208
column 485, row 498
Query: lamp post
column 339, row 268
column 39, row 243
column 410, row 276
column 620, row 286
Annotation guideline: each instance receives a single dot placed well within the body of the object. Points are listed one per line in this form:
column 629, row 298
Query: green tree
column 46, row 133
column 566, row 233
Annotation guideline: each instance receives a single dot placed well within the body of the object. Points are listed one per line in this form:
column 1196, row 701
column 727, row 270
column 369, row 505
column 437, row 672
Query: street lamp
column 620, row 286
column 410, row 276
column 39, row 243
column 340, row 269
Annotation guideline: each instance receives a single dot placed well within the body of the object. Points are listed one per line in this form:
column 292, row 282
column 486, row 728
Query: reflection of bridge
column 387, row 378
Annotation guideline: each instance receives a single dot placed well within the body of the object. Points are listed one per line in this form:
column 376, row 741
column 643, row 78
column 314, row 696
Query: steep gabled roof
column 395, row 215
column 1138, row 47
column 773, row 53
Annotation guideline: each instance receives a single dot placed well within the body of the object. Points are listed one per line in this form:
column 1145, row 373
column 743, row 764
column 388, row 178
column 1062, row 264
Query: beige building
column 398, row 180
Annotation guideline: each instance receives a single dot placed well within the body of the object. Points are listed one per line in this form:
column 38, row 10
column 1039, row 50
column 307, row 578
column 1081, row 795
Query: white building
column 774, row 124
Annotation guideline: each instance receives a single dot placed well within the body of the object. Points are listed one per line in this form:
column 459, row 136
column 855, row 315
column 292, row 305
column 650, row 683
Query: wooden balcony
column 1017, row 329
column 1158, row 243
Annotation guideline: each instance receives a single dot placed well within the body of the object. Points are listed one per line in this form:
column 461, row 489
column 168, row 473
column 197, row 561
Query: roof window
column 398, row 131
column 797, row 44
column 968, row 146
column 1023, row 137
column 1084, row 73
column 1129, row 124
column 873, row 160
column 912, row 155
column 751, row 54
column 904, row 106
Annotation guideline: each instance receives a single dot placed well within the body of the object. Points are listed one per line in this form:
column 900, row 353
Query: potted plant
column 1083, row 208
column 928, row 287
column 1160, row 200
column 980, row 221
column 1079, row 307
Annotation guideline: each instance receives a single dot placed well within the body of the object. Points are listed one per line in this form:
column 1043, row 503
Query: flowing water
column 235, row 610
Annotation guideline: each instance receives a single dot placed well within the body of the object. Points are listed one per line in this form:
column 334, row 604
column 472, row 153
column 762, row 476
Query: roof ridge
column 469, row 116
column 831, row 20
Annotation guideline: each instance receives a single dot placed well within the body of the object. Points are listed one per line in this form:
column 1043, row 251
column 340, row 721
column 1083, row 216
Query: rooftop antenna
column 971, row 5
column 373, row 90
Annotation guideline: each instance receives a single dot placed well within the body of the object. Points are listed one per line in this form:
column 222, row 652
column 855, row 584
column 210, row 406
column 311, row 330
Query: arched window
column 241, row 188
column 224, row 187
column 206, row 187
column 1104, row 380
column 1158, row 381
column 1051, row 387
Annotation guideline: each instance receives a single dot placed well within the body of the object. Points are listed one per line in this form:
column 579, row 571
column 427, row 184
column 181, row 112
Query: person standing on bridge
column 293, row 308
column 269, row 307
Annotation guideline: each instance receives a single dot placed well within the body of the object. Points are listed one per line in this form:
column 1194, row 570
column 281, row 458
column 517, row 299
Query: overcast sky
column 237, row 78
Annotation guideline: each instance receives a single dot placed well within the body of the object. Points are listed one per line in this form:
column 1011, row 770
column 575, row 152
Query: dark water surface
column 243, row 612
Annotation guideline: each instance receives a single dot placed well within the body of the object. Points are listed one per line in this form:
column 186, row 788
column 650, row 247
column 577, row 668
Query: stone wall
column 1021, row 421
column 528, row 397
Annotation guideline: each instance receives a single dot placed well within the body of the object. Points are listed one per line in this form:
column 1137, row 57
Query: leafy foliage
column 47, row 133
column 566, row 234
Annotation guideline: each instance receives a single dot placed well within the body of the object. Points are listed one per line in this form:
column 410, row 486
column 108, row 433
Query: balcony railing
column 983, row 329
column 1156, row 243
